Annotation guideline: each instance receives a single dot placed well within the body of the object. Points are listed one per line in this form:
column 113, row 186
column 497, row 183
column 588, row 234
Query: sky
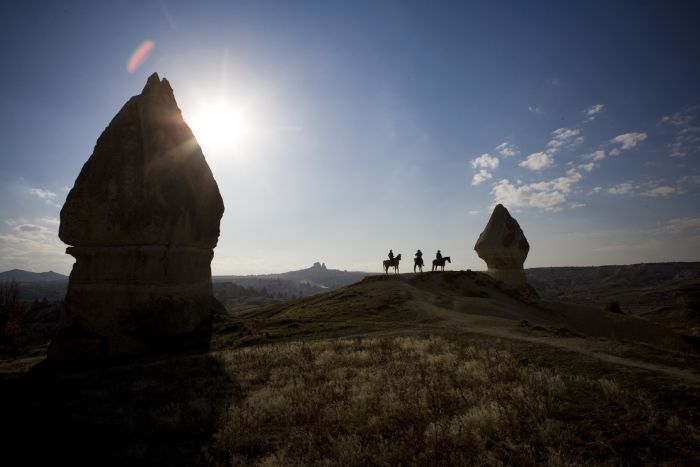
column 338, row 130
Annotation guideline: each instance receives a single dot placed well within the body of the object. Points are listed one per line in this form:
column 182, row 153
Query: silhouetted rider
column 419, row 257
column 391, row 255
column 438, row 256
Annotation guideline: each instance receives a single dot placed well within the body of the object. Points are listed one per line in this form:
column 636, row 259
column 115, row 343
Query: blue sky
column 338, row 130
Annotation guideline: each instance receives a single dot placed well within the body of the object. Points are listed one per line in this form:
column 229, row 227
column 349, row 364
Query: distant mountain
column 317, row 275
column 19, row 275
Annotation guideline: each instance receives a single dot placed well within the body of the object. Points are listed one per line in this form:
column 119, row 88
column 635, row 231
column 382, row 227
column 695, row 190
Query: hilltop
column 467, row 299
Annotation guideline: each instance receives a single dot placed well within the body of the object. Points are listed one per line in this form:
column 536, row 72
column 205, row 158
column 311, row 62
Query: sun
column 221, row 129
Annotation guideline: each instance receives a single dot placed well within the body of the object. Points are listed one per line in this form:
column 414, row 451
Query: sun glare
column 221, row 129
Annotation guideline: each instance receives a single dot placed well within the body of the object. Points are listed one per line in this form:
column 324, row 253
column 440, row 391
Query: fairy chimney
column 142, row 221
column 504, row 247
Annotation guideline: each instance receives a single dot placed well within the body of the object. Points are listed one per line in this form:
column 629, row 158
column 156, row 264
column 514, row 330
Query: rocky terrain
column 665, row 293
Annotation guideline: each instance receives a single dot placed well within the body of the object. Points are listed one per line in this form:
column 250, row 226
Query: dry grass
column 432, row 401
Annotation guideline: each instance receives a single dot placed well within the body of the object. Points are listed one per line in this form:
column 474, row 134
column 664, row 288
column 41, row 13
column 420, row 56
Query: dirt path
column 507, row 329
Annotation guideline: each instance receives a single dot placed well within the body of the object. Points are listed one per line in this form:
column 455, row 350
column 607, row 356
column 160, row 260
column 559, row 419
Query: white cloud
column 565, row 133
column 629, row 140
column 534, row 110
column 485, row 161
column 42, row 193
column 31, row 229
column 481, row 177
column 47, row 195
column 595, row 155
column 587, row 167
column 508, row 150
column 51, row 221
column 593, row 111
column 548, row 195
column 473, row 213
column 663, row 190
column 537, row 161
column 563, row 137
column 614, row 152
column 621, row 189
column 577, row 205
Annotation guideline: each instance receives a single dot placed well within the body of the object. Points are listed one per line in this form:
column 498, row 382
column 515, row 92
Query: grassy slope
column 391, row 370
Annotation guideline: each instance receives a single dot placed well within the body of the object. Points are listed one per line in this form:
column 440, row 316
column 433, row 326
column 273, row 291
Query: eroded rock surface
column 504, row 247
column 142, row 221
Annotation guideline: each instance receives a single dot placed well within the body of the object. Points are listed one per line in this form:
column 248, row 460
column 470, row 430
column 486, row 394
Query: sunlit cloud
column 48, row 196
column 548, row 195
column 593, row 111
column 481, row 177
column 564, row 137
column 139, row 56
column 621, row 189
column 534, row 109
column 595, row 155
column 485, row 161
column 537, row 161
column 42, row 193
column 658, row 191
column 508, row 150
column 628, row 140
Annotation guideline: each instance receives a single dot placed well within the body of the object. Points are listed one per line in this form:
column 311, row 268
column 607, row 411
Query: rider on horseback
column 391, row 255
column 438, row 256
column 418, row 261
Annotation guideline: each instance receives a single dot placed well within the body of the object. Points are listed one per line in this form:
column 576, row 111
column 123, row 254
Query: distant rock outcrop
column 504, row 247
column 142, row 221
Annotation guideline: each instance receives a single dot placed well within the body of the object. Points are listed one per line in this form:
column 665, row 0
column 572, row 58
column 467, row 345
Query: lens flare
column 140, row 54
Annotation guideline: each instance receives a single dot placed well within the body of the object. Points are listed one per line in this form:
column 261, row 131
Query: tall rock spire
column 142, row 220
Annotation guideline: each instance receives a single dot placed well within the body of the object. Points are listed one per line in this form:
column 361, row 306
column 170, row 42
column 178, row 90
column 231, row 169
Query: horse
column 392, row 262
column 418, row 262
column 440, row 263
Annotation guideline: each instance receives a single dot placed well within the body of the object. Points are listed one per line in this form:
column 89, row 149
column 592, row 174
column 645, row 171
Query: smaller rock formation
column 504, row 247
